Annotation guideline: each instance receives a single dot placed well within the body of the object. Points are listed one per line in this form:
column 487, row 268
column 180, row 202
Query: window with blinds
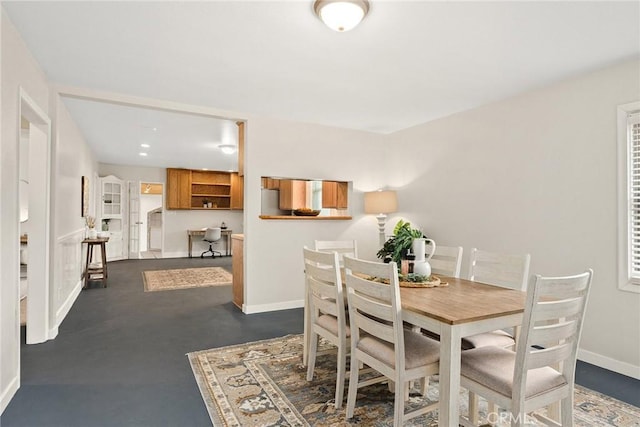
column 629, row 210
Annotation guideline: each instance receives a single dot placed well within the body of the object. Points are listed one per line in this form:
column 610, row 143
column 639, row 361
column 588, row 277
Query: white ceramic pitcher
column 421, row 265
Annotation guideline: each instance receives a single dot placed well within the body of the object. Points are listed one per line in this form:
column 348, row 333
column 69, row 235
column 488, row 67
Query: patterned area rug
column 263, row 383
column 183, row 278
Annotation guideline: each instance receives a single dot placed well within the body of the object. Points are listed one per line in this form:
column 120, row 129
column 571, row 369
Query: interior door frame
column 133, row 185
column 39, row 296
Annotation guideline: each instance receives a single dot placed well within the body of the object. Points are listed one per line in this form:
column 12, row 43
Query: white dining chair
column 327, row 315
column 342, row 247
column 446, row 260
column 507, row 271
column 542, row 369
column 378, row 338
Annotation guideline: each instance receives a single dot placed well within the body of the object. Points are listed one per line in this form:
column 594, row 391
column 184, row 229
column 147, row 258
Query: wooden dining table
column 462, row 308
column 458, row 310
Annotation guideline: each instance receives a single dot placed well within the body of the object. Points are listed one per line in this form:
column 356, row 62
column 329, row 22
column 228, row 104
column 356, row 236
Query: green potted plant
column 396, row 247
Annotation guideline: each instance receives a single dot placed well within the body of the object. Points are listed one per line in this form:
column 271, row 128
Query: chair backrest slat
column 446, row 260
column 374, row 327
column 546, row 335
column 549, row 356
column 509, row 271
column 556, row 309
column 325, row 305
column 373, row 307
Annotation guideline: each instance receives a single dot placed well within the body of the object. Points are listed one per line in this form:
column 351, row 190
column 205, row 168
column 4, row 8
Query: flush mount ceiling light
column 227, row 148
column 341, row 15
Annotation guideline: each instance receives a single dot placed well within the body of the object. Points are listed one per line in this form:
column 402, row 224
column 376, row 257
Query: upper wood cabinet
column 293, row 194
column 237, row 191
column 240, row 148
column 197, row 189
column 335, row 194
column 178, row 188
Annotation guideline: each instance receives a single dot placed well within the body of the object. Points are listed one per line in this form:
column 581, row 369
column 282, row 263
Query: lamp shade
column 380, row 202
column 341, row 15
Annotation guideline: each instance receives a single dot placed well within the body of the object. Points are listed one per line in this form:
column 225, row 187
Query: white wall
column 72, row 159
column 273, row 248
column 177, row 222
column 19, row 69
column 536, row 173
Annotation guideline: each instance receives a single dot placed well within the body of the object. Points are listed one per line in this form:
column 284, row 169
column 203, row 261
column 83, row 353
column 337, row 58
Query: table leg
column 190, row 244
column 450, row 342
column 86, row 268
column 228, row 244
column 103, row 249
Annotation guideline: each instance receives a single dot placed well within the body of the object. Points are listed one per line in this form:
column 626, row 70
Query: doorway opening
column 147, row 215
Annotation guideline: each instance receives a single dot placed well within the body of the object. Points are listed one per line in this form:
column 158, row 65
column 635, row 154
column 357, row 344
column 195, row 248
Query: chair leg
column 353, row 385
column 473, row 409
column 424, row 386
column 492, row 408
column 342, row 368
column 398, row 404
column 566, row 411
column 312, row 355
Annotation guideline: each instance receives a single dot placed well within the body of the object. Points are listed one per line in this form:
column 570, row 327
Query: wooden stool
column 93, row 272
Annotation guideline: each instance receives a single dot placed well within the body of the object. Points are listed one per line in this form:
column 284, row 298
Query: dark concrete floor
column 119, row 359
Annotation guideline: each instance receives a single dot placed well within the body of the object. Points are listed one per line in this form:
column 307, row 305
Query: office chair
column 212, row 235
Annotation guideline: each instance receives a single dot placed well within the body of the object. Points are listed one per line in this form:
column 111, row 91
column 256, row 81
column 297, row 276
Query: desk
column 200, row 232
column 461, row 309
column 95, row 273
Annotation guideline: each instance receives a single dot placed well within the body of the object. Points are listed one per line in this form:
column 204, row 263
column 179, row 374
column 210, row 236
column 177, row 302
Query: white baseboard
column 605, row 362
column 66, row 306
column 263, row 308
column 175, row 254
column 8, row 393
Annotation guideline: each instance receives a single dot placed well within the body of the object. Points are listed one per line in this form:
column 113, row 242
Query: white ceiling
column 117, row 132
column 407, row 63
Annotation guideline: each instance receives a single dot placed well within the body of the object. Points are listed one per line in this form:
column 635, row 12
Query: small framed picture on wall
column 85, row 196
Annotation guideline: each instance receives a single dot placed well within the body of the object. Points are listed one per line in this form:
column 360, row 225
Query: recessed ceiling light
column 145, row 145
column 143, row 154
column 205, row 169
column 227, row 148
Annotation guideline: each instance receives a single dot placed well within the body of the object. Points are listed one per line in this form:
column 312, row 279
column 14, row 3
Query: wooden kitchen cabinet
column 293, row 194
column 240, row 148
column 178, row 188
column 198, row 189
column 212, row 188
column 237, row 268
column 335, row 194
column 237, row 191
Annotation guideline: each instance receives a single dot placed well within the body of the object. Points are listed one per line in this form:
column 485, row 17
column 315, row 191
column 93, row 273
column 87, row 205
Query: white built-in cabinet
column 112, row 206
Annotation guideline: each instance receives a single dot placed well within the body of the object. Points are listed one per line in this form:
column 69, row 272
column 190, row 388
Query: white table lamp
column 380, row 203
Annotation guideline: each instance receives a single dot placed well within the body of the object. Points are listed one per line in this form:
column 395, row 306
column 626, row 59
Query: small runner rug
column 183, row 278
column 263, row 383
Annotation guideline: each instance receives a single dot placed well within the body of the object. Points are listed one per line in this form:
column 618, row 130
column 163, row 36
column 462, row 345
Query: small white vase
column 92, row 233
column 419, row 248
